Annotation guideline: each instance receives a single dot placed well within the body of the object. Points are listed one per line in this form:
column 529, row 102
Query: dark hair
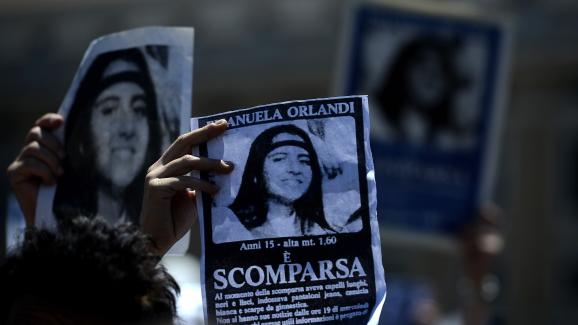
column 77, row 191
column 393, row 93
column 250, row 205
column 87, row 269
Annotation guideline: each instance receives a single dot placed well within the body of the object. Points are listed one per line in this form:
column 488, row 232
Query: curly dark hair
column 88, row 270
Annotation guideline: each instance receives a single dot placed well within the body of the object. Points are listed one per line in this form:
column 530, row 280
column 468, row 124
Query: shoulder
column 227, row 227
column 317, row 230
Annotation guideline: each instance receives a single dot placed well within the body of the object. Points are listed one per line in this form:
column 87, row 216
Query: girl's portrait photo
column 116, row 127
column 419, row 95
column 285, row 186
column 425, row 83
column 436, row 90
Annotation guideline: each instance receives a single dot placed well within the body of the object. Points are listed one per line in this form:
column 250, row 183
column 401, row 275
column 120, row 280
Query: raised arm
column 39, row 162
column 169, row 205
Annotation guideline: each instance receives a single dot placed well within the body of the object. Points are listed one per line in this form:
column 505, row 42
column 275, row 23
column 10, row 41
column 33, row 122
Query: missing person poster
column 292, row 235
column 130, row 99
column 436, row 80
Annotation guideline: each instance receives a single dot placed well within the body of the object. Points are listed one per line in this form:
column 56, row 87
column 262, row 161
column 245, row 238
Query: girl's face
column 287, row 172
column 120, row 132
column 426, row 80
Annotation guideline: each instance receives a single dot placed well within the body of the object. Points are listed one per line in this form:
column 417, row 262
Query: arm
column 38, row 163
column 169, row 200
column 482, row 241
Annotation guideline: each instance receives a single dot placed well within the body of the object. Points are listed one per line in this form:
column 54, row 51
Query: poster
column 14, row 224
column 292, row 236
column 130, row 98
column 435, row 80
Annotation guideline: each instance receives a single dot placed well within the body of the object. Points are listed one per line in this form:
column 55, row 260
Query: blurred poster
column 435, row 82
column 409, row 300
column 292, row 235
column 130, row 98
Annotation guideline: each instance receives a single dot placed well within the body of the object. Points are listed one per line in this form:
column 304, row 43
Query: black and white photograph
column 293, row 230
column 427, row 94
column 426, row 76
column 129, row 100
column 434, row 80
column 289, row 181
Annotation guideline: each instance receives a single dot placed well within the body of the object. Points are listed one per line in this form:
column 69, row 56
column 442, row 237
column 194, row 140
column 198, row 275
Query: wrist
column 155, row 248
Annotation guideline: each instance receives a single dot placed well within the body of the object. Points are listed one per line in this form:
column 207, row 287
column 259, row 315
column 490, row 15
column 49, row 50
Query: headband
column 293, row 143
column 132, row 76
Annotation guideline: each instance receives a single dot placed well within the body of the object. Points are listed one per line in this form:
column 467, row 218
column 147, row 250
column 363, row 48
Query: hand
column 169, row 205
column 482, row 241
column 39, row 162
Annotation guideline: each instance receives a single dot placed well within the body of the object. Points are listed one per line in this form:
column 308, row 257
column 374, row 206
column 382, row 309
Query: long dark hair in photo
column 77, row 190
column 250, row 205
column 395, row 93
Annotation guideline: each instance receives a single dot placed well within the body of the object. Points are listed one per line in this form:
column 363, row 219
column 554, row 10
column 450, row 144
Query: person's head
column 287, row 171
column 88, row 272
column 283, row 167
column 112, row 131
column 426, row 77
column 423, row 76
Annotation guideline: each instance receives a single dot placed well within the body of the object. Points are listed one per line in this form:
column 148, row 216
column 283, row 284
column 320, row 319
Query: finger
column 188, row 163
column 154, row 166
column 50, row 121
column 180, row 183
column 185, row 142
column 35, row 150
column 186, row 215
column 31, row 167
column 490, row 214
column 191, row 195
column 46, row 139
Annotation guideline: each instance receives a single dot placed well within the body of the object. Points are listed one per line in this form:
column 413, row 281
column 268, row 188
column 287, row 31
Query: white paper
column 292, row 236
column 130, row 98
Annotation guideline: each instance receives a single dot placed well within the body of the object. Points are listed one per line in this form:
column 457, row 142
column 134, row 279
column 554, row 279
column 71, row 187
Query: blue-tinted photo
column 432, row 83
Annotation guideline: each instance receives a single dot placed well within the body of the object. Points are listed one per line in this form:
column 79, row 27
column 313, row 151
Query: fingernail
column 228, row 163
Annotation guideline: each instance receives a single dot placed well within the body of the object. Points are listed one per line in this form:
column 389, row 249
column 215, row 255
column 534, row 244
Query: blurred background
column 254, row 52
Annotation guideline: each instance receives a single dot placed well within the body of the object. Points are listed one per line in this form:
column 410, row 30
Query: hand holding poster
column 292, row 236
column 130, row 98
